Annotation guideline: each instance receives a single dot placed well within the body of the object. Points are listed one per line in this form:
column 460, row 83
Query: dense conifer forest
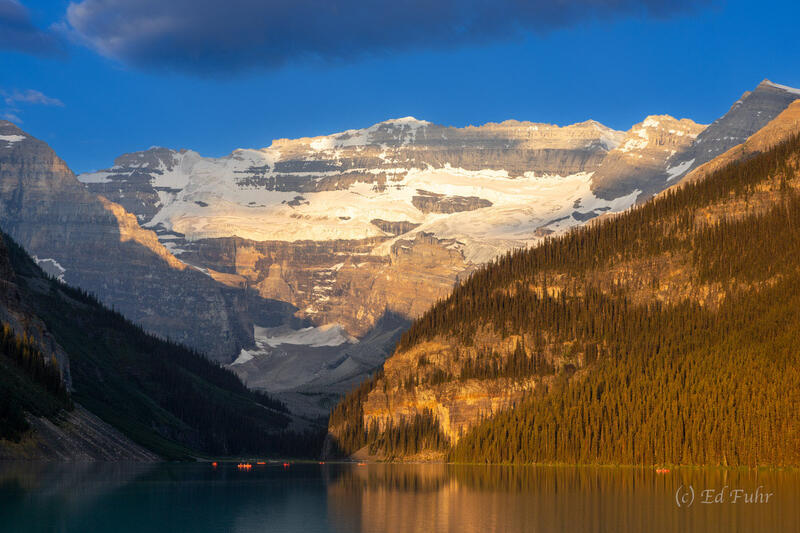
column 705, row 372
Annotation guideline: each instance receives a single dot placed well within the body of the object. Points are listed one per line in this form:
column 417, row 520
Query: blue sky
column 88, row 83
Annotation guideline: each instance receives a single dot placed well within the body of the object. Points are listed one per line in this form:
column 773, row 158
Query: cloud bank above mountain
column 209, row 36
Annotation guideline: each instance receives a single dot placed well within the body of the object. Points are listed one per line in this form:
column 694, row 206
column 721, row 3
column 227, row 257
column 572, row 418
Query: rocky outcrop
column 397, row 227
column 129, row 230
column 456, row 404
column 645, row 160
column 431, row 202
column 135, row 193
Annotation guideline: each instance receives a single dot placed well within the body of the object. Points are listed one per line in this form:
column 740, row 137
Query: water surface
column 347, row 498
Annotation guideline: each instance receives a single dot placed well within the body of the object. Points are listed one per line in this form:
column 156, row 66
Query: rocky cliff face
column 98, row 246
column 410, row 386
column 750, row 113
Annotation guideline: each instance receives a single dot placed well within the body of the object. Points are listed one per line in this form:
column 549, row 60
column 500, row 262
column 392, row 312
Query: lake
column 348, row 498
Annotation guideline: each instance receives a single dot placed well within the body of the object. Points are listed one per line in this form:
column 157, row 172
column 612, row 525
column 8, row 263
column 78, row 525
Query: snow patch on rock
column 11, row 139
column 328, row 335
column 51, row 267
column 679, row 170
column 316, row 337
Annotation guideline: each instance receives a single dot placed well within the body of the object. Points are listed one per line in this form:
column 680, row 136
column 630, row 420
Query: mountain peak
column 668, row 121
column 656, row 121
column 10, row 134
column 406, row 121
column 8, row 128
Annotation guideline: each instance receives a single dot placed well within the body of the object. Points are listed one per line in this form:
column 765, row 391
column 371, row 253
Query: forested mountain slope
column 666, row 334
column 80, row 381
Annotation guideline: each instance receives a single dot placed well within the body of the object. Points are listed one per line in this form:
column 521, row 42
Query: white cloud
column 11, row 117
column 29, row 96
column 15, row 99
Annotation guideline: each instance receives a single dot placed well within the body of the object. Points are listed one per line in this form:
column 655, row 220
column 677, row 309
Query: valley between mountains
column 477, row 293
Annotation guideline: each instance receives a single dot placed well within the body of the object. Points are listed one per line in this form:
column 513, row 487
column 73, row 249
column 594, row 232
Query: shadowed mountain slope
column 125, row 386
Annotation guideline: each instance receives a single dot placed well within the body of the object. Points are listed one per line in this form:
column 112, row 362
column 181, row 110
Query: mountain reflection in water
column 346, row 498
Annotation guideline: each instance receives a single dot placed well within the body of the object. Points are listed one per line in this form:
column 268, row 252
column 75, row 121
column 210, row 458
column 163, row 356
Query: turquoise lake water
column 348, row 498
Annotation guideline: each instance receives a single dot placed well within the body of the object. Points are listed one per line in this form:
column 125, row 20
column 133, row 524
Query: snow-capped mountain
column 344, row 225
column 356, row 226
column 357, row 231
